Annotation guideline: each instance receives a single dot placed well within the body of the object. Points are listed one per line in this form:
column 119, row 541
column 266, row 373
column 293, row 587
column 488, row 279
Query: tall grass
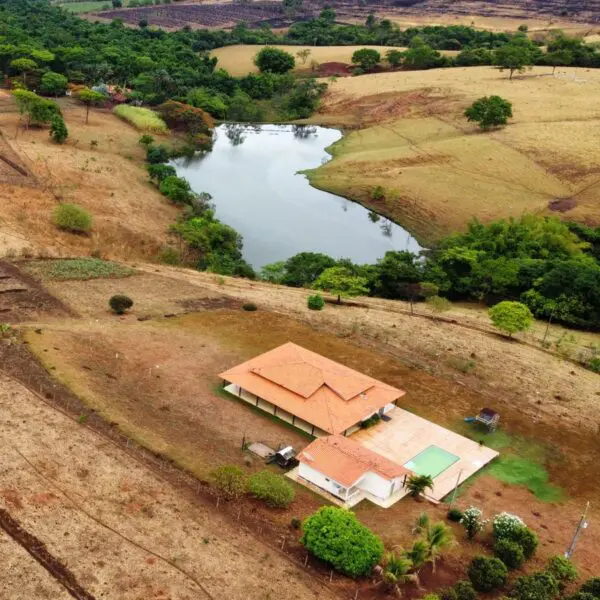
column 143, row 119
column 77, row 268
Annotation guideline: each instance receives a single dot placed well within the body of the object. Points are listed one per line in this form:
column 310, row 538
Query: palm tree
column 396, row 572
column 417, row 484
column 418, row 556
column 421, row 524
column 437, row 537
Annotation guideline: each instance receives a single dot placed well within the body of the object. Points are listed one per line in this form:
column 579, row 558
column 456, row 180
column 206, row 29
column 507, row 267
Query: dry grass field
column 238, row 60
column 439, row 171
column 106, row 178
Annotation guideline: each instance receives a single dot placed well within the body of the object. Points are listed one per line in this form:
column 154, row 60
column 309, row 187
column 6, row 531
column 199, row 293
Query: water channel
column 252, row 175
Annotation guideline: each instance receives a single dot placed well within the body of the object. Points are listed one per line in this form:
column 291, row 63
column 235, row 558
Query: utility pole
column 583, row 524
column 455, row 489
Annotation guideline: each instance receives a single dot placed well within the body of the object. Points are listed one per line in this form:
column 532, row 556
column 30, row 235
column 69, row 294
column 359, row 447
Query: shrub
column 563, row 570
column 157, row 154
column 271, row 488
column 505, row 524
column 509, row 552
column 488, row 112
column 455, row 514
column 487, row 574
column 186, row 118
column 176, row 189
column 448, row 594
column 538, row 586
column 366, row 58
column 58, row 130
column 73, row 218
column 464, row 590
column 159, row 171
column 527, row 539
column 249, row 307
column 142, row 119
column 581, row 596
column 591, row 586
column 120, row 303
column 229, row 481
column 316, row 302
column 296, row 523
column 472, row 521
column 146, row 140
column 336, row 536
column 169, row 256
column 511, row 317
column 53, row 84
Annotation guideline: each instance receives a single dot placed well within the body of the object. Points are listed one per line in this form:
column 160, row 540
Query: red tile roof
column 320, row 391
column 346, row 461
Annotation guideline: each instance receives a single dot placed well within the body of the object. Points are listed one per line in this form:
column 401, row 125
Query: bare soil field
column 123, row 531
column 107, row 178
column 438, row 171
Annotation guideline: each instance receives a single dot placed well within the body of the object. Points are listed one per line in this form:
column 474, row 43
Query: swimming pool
column 431, row 461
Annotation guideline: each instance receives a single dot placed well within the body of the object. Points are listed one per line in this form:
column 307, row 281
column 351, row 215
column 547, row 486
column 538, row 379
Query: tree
column 72, row 218
column 591, row 586
column 302, row 269
column 417, row 484
column 90, row 98
column 558, row 58
column 511, row 317
column 53, row 84
column 418, row 554
column 303, row 54
column 423, row 56
column 487, row 574
column 473, row 522
column 340, row 281
column 117, row 3
column 513, row 57
column 464, row 590
column 394, row 57
column 438, row 537
column 229, row 481
column 120, row 303
column 38, row 110
column 23, row 66
column 336, row 536
column 58, row 130
column 274, row 60
column 272, row 488
column 366, row 58
column 489, row 111
column 396, row 572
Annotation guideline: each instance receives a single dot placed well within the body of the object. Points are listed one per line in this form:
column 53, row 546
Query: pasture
column 438, row 171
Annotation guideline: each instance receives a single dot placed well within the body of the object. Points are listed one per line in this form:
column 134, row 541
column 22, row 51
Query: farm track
column 37, row 549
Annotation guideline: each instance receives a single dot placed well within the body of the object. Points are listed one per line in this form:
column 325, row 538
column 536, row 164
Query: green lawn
column 83, row 7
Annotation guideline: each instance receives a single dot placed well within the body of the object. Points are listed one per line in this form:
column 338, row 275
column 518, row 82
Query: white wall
column 316, row 477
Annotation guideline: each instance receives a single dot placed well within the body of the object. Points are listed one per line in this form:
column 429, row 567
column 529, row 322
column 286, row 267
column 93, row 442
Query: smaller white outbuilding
column 351, row 472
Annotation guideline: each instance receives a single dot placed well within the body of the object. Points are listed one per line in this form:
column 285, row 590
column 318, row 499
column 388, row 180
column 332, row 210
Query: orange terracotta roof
column 320, row 391
column 346, row 461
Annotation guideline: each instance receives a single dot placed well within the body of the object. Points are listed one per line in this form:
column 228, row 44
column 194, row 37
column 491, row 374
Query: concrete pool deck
column 407, row 435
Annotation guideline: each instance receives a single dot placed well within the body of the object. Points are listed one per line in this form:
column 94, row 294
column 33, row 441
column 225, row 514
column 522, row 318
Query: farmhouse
column 351, row 472
column 310, row 391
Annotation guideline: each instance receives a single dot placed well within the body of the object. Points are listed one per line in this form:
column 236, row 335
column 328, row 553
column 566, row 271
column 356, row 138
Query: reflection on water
column 252, row 176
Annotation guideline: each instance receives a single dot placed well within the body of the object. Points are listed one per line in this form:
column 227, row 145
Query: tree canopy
column 489, row 111
column 341, row 282
column 274, row 60
column 511, row 317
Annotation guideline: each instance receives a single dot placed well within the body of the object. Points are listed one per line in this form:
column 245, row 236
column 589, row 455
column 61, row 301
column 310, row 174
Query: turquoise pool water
column 432, row 461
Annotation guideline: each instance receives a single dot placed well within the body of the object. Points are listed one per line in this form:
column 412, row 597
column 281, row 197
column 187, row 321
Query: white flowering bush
column 473, row 521
column 505, row 524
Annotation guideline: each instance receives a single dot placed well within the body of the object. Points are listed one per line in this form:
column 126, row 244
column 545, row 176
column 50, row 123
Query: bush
column 472, row 521
column 581, row 596
column 505, row 524
column 539, row 586
column 58, row 130
column 142, row 119
column 366, row 58
column 53, row 84
column 527, row 539
column 455, row 514
column 176, row 189
column 296, row 523
column 229, row 481
column 249, row 307
column 591, row 586
column 488, row 112
column 146, row 140
column 316, row 302
column 120, row 303
column 271, row 488
column 487, row 574
column 336, row 536
column 509, row 552
column 448, row 594
column 159, row 172
column 464, row 590
column 563, row 570
column 157, row 154
column 73, row 218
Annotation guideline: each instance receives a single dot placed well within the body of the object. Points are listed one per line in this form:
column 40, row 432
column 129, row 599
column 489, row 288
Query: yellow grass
column 238, row 60
column 439, row 171
column 142, row 119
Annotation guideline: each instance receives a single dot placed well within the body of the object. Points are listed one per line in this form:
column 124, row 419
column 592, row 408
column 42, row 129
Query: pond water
column 252, row 175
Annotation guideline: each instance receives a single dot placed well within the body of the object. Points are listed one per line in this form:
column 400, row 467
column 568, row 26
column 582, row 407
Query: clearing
column 157, row 379
column 438, row 171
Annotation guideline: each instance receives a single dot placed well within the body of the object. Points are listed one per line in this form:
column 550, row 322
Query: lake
column 252, row 175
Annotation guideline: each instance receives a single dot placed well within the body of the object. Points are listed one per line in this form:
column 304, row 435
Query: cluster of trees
column 550, row 266
column 43, row 47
